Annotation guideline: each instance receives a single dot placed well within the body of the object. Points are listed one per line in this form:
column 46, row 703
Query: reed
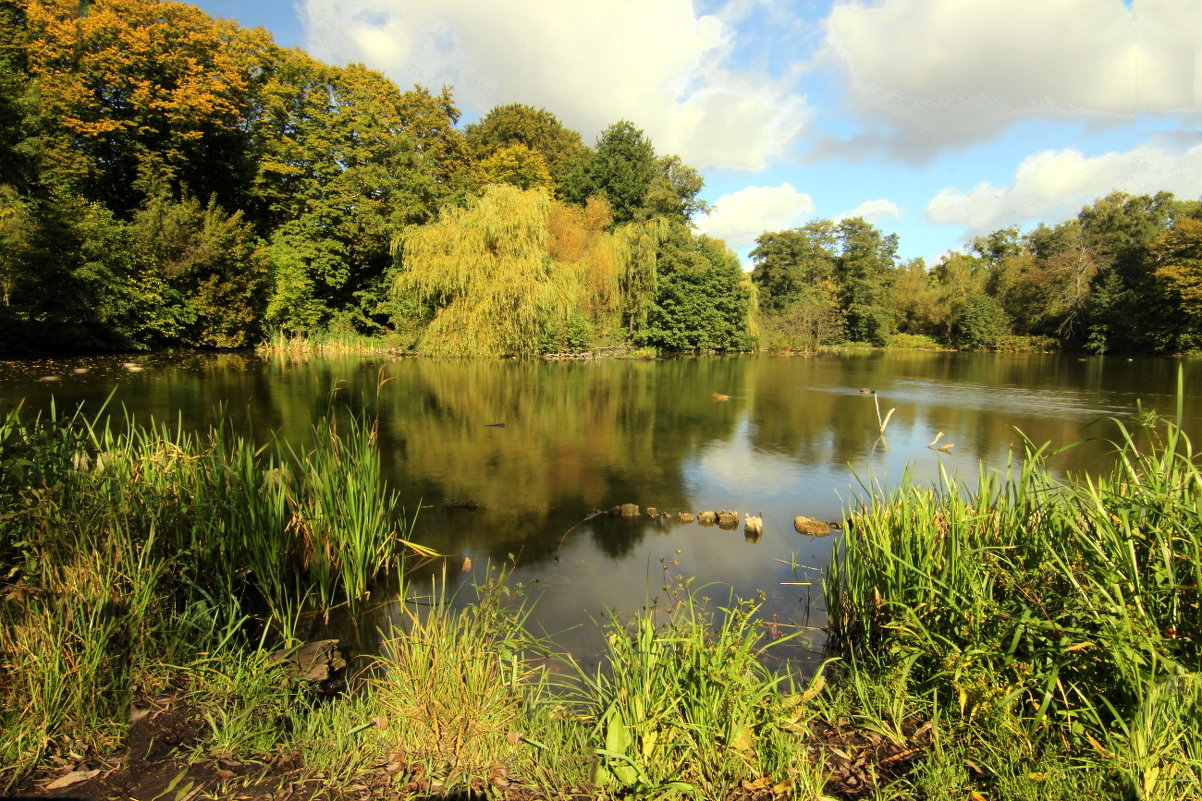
column 1070, row 605
column 324, row 343
column 464, row 699
column 118, row 542
column 688, row 707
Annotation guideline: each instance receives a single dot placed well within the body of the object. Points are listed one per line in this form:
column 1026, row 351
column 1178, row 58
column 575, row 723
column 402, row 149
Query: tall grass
column 466, row 701
column 284, row 344
column 115, row 542
column 1071, row 606
column 689, row 708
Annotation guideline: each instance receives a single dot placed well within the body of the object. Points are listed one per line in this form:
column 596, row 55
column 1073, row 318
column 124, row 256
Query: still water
column 504, row 462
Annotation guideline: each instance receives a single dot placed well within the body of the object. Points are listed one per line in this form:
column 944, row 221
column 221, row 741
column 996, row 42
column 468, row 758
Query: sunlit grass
column 1059, row 606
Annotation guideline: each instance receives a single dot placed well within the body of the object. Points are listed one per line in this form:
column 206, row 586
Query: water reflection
column 506, row 462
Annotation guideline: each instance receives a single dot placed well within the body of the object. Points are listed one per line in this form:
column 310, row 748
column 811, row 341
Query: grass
column 120, row 553
column 1025, row 637
column 280, row 343
column 1065, row 612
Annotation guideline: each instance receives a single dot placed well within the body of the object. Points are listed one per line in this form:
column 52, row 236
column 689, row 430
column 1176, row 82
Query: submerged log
column 317, row 662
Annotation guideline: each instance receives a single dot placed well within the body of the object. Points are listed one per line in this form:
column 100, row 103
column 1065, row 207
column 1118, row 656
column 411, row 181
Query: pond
column 506, row 462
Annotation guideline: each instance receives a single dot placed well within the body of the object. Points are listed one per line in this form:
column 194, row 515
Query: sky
column 937, row 120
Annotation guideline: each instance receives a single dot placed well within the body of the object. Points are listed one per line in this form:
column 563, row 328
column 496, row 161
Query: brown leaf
column 74, row 777
column 381, row 721
column 514, row 737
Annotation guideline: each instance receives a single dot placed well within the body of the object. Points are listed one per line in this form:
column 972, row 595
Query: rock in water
column 728, row 519
column 811, row 527
column 753, row 525
column 707, row 518
column 686, row 517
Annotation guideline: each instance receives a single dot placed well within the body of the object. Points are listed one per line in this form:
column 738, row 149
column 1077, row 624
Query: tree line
column 1124, row 275
column 171, row 180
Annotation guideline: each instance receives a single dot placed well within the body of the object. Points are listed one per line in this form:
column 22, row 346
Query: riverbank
column 1029, row 638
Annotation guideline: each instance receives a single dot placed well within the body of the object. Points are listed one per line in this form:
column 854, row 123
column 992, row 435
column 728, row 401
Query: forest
column 171, row 180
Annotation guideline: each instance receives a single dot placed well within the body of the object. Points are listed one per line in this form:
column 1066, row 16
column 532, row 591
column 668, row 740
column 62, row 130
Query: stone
column 811, row 527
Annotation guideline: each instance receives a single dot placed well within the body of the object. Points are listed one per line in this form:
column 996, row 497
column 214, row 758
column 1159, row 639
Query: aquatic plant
column 1069, row 604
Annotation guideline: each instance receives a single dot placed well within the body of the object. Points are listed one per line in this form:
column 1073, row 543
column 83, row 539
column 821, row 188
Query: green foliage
column 789, row 261
column 209, row 262
column 812, row 320
column 516, row 165
column 914, row 342
column 981, row 323
column 537, row 130
column 702, row 299
column 486, row 270
column 622, row 169
column 1072, row 605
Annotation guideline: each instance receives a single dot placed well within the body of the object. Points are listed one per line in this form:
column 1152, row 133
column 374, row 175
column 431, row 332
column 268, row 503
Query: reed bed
column 124, row 552
column 326, row 343
column 1065, row 609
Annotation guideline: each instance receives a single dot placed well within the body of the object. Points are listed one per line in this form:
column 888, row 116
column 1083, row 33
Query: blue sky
column 936, row 119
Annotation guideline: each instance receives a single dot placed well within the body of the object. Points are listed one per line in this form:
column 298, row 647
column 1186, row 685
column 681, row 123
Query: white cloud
column 654, row 62
column 873, row 210
column 938, row 73
column 740, row 217
column 1054, row 184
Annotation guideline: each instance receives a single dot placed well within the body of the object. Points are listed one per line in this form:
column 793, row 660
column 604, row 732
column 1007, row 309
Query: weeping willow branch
column 514, row 265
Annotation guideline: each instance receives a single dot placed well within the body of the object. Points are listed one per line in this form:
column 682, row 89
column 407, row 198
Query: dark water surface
column 538, row 446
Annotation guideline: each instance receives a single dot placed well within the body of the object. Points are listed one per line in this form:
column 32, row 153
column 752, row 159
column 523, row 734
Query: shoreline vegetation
column 326, row 343
column 1027, row 638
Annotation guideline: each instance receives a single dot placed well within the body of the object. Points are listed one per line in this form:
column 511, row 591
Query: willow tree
column 486, row 271
column 590, row 258
column 638, row 249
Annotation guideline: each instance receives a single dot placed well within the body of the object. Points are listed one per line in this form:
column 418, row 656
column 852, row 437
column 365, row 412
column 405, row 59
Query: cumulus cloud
column 939, row 73
column 654, row 62
column 873, row 210
column 1055, row 184
column 740, row 217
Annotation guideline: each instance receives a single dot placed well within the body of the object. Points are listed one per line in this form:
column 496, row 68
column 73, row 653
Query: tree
column 787, row 262
column 916, row 301
column 533, row 128
column 137, row 91
column 673, row 191
column 486, row 272
column 1177, row 261
column 955, row 279
column 980, row 323
column 209, row 264
column 864, row 272
column 516, row 165
column 622, row 169
column 703, row 297
column 16, row 231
